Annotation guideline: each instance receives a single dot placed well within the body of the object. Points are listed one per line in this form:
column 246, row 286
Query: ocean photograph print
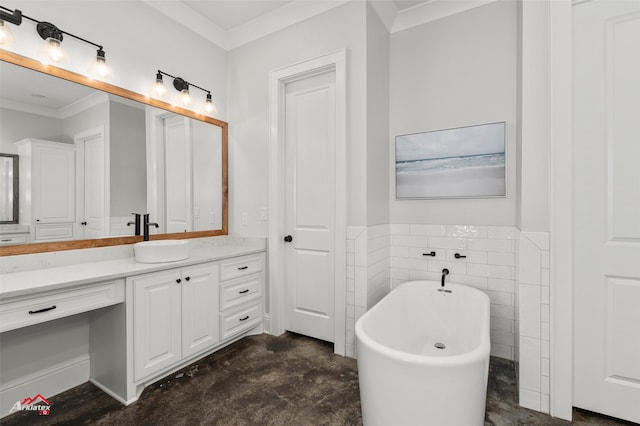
column 465, row 162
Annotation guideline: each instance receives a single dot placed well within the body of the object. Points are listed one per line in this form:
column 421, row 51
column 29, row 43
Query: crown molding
column 278, row 19
column 386, row 11
column 31, row 109
column 299, row 10
column 191, row 20
column 96, row 98
column 433, row 10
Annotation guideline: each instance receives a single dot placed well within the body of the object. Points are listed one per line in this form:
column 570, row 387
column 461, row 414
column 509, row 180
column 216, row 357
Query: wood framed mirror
column 204, row 215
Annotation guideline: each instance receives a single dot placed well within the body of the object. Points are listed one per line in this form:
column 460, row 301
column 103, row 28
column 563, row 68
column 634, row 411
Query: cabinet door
column 156, row 321
column 199, row 308
column 54, row 172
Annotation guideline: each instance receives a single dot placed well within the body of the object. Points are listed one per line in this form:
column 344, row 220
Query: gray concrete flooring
column 267, row 380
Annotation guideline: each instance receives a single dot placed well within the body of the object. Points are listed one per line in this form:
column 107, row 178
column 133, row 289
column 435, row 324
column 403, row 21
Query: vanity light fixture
column 184, row 97
column 52, row 51
column 6, row 36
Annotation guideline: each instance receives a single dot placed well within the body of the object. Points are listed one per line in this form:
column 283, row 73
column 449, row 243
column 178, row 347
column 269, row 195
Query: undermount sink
column 159, row 251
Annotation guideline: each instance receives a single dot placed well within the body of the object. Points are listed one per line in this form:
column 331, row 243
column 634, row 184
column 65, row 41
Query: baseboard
column 112, row 394
column 47, row 382
column 266, row 323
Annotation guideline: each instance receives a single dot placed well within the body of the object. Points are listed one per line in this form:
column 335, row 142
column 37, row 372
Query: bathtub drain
column 440, row 345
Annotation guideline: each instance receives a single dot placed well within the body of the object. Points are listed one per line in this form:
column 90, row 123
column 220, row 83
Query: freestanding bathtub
column 423, row 356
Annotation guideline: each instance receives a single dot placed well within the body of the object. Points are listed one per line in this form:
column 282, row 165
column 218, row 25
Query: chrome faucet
column 445, row 272
column 145, row 225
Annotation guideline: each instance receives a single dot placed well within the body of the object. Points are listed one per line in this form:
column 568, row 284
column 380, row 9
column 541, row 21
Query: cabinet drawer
column 35, row 310
column 240, row 267
column 237, row 292
column 9, row 239
column 240, row 320
column 53, row 232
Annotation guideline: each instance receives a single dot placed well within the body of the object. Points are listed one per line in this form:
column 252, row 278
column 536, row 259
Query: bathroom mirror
column 9, row 187
column 140, row 137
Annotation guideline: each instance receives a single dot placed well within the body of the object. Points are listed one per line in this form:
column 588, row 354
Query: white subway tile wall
column 489, row 265
column 119, row 228
column 534, row 320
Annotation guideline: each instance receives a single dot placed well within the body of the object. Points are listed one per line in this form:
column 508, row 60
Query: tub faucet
column 145, row 225
column 445, row 272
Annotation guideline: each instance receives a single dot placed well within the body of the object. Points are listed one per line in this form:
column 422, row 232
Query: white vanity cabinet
column 47, row 188
column 174, row 316
column 127, row 324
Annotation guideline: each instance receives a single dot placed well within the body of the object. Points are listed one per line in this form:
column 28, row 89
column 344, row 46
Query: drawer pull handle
column 244, row 318
column 244, row 291
column 242, row 268
column 43, row 310
column 8, row 239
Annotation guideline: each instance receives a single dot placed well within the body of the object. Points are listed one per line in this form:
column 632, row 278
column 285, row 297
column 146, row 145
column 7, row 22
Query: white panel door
column 177, row 175
column 92, row 190
column 607, row 207
column 156, row 321
column 199, row 308
column 54, row 192
column 310, row 205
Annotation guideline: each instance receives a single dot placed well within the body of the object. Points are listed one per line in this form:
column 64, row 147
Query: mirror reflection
column 9, row 185
column 89, row 160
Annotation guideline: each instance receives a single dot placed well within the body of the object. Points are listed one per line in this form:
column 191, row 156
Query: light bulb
column 158, row 89
column 209, row 106
column 6, row 36
column 53, row 52
column 185, row 97
column 100, row 68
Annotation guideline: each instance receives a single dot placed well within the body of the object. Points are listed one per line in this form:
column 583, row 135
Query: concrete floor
column 267, row 380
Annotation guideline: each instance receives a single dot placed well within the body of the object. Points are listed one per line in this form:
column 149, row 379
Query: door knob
column 288, row 239
column 83, row 223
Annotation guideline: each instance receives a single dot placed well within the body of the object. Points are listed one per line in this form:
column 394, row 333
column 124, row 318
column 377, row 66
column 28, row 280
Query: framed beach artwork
column 461, row 162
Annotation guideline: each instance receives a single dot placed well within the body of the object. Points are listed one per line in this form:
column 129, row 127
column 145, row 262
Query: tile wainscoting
column 535, row 321
column 510, row 266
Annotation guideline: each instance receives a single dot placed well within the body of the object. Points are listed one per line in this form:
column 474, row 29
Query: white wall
column 249, row 68
column 456, row 71
column 17, row 125
column 127, row 145
column 377, row 119
column 137, row 39
column 534, row 91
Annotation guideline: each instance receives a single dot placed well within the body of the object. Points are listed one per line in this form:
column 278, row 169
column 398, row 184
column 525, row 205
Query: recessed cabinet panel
column 53, row 232
column 156, row 322
column 199, row 308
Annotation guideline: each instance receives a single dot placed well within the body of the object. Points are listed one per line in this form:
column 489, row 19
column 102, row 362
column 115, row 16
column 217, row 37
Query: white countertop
column 17, row 284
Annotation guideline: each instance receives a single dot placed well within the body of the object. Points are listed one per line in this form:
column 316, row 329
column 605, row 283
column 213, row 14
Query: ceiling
column 32, row 91
column 228, row 14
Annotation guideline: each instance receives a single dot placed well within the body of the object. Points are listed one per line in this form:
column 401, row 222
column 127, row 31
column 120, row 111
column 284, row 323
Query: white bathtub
column 404, row 378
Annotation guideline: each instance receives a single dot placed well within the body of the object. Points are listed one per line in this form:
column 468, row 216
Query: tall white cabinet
column 47, row 189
